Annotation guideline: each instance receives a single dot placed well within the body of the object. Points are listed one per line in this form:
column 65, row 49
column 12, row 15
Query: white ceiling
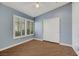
column 30, row 9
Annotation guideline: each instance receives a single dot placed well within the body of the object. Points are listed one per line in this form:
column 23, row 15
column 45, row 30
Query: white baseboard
column 56, row 42
column 15, row 44
column 65, row 44
column 70, row 46
column 77, row 52
column 38, row 39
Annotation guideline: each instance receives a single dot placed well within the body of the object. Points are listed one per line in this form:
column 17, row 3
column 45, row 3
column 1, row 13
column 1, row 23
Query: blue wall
column 39, row 27
column 6, row 26
column 65, row 14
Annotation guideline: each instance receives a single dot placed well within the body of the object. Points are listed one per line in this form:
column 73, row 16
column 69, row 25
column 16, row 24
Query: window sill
column 30, row 35
column 19, row 37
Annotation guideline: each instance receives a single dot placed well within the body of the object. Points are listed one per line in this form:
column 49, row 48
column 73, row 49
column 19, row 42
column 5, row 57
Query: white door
column 51, row 29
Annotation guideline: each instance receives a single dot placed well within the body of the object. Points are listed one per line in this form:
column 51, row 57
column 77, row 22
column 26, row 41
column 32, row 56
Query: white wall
column 75, row 25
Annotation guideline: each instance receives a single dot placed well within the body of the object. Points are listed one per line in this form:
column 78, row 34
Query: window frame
column 30, row 27
column 25, row 19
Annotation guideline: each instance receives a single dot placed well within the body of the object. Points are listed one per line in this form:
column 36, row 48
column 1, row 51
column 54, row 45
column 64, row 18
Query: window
column 22, row 27
column 30, row 27
column 17, row 27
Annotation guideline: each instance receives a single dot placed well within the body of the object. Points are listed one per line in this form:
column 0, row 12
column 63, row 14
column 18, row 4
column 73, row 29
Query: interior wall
column 65, row 14
column 6, row 26
column 75, row 25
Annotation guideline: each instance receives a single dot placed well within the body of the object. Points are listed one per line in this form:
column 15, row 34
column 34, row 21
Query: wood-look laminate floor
column 39, row 48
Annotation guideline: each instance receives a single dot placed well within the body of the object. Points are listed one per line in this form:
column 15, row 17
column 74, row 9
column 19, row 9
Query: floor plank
column 39, row 48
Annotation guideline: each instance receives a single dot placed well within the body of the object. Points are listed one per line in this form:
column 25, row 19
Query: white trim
column 19, row 37
column 15, row 44
column 21, row 19
column 50, row 41
column 38, row 39
column 65, row 44
column 23, row 36
column 29, row 34
column 77, row 52
column 44, row 23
